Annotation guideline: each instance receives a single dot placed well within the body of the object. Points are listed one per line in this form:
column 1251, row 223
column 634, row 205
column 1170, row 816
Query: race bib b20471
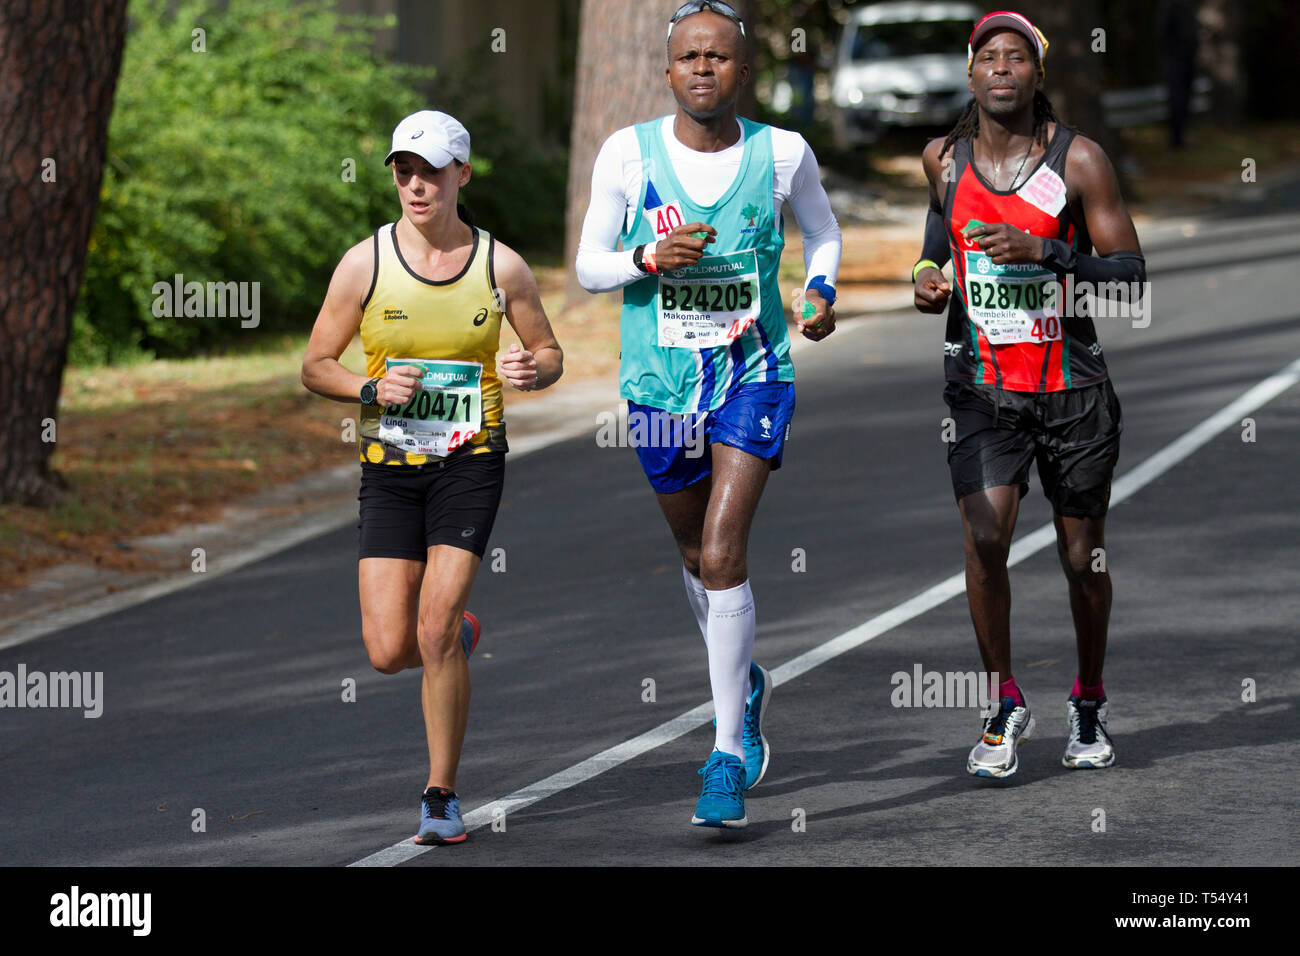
column 444, row 413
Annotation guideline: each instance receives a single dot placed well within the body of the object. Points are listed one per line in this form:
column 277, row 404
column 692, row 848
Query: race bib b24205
column 710, row 303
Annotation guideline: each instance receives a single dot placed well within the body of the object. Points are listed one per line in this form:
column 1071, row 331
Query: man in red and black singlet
column 1003, row 333
column 1018, row 201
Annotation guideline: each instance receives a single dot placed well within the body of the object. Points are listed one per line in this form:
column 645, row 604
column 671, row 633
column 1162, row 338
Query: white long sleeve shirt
column 616, row 191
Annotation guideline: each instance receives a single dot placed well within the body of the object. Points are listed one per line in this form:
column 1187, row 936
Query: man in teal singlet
column 696, row 200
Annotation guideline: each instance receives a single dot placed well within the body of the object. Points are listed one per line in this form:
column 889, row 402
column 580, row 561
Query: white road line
column 1025, row 546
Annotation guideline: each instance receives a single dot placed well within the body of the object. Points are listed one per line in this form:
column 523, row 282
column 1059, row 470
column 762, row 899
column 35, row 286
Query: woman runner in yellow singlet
column 427, row 294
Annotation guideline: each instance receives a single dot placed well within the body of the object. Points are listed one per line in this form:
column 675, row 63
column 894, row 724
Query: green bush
column 228, row 166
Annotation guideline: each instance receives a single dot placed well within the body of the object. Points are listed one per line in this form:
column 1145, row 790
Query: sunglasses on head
column 713, row 6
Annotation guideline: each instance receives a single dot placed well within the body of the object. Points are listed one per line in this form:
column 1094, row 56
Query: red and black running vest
column 1008, row 327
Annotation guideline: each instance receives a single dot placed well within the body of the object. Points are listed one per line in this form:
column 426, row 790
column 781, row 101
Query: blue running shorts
column 675, row 450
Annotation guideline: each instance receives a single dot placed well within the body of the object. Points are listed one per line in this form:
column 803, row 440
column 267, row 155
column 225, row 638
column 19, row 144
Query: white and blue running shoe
column 1004, row 732
column 1089, row 745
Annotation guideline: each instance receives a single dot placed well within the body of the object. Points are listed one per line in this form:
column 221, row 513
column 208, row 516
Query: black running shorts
column 1072, row 434
column 407, row 509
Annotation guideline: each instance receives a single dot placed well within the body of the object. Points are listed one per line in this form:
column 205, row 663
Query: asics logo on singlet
column 467, row 533
column 480, row 317
column 392, row 315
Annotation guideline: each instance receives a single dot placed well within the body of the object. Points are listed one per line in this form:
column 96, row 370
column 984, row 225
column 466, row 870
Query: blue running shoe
column 440, row 820
column 469, row 631
column 756, row 749
column 722, row 801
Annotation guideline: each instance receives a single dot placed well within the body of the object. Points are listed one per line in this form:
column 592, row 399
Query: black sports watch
column 637, row 259
column 370, row 392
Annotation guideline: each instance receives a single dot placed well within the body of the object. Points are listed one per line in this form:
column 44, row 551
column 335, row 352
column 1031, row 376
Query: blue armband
column 827, row 291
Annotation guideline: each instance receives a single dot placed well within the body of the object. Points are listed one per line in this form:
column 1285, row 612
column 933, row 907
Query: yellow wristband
column 924, row 262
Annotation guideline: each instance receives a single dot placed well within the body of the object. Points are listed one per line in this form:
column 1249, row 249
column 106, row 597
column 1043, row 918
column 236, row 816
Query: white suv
column 900, row 64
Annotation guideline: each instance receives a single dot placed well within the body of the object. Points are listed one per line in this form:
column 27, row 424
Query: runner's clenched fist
column 932, row 291
column 680, row 248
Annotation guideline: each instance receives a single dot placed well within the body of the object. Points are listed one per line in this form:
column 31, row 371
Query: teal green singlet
column 692, row 336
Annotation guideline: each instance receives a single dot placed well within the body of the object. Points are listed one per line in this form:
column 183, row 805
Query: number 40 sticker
column 664, row 219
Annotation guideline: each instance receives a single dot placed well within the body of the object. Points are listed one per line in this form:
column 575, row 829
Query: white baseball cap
column 433, row 135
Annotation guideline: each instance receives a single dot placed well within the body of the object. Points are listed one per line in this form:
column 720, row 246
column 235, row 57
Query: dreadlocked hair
column 968, row 124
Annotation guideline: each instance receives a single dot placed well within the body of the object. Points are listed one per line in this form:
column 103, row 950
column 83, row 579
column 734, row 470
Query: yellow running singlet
column 406, row 316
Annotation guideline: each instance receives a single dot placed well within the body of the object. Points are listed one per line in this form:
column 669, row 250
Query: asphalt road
column 227, row 696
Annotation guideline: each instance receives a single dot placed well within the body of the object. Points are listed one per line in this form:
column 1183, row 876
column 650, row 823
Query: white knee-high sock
column 731, row 647
column 699, row 599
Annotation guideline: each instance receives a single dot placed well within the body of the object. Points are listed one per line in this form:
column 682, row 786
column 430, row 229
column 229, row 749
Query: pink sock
column 1008, row 688
column 1085, row 692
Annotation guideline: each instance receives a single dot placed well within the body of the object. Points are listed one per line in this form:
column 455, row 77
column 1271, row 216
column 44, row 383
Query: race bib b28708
column 1012, row 302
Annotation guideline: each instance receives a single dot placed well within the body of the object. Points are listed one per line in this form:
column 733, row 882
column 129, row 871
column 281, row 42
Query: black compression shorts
column 407, row 509
column 1072, row 434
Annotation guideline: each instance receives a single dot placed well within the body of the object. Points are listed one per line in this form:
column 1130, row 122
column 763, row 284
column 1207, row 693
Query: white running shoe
column 1089, row 746
column 1004, row 732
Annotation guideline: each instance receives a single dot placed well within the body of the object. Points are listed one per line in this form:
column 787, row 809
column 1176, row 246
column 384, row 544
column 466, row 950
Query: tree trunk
column 61, row 61
column 622, row 56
